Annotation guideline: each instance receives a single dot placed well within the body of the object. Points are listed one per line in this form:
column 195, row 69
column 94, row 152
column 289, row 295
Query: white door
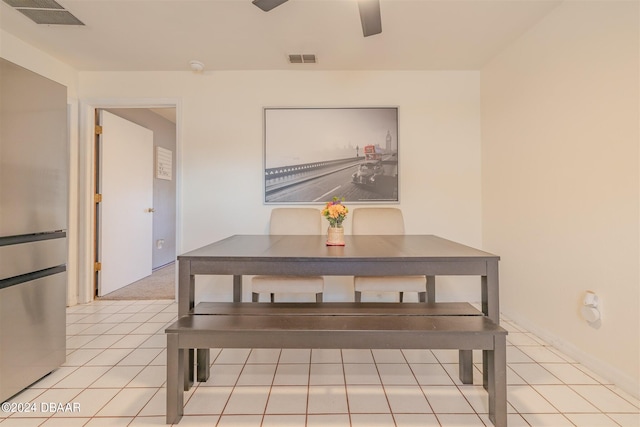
column 125, row 222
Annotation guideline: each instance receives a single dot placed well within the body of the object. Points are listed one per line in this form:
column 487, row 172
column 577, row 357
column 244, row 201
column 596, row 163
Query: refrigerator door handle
column 28, row 238
column 23, row 278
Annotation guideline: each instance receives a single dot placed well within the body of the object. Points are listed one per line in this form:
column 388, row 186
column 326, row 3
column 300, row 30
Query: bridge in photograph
column 320, row 181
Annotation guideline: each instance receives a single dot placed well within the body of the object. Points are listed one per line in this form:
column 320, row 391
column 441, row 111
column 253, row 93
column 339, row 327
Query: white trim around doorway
column 86, row 184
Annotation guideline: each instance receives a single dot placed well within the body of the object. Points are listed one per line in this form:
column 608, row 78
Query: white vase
column 335, row 236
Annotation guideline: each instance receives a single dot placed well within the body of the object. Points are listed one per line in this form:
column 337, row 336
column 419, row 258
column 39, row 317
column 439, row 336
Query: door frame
column 86, row 184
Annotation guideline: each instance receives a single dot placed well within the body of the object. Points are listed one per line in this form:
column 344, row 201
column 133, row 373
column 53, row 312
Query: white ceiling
column 141, row 35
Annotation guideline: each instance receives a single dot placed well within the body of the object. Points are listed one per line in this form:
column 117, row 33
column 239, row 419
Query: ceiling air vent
column 46, row 12
column 302, row 58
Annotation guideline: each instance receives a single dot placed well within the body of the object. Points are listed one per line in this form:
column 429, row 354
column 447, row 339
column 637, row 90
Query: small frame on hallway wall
column 164, row 163
column 314, row 154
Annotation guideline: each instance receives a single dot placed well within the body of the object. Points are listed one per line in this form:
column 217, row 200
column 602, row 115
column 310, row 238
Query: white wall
column 27, row 56
column 221, row 144
column 560, row 165
column 31, row 58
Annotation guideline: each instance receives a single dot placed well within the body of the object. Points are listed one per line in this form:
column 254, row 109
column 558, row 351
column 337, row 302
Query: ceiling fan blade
column 267, row 5
column 370, row 17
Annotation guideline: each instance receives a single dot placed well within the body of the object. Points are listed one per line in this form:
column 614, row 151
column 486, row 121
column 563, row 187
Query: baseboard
column 153, row 270
column 603, row 369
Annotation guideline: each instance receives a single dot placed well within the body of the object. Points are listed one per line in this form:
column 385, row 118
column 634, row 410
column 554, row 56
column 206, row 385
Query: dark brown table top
column 313, row 248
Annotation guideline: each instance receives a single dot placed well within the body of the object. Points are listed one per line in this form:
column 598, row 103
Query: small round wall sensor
column 196, row 66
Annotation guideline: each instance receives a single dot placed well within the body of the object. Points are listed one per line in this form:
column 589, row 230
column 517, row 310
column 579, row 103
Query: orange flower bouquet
column 335, row 212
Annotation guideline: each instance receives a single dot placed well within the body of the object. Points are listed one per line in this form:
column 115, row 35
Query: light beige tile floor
column 115, row 375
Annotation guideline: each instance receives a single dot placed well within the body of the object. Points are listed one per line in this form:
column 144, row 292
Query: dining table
column 362, row 255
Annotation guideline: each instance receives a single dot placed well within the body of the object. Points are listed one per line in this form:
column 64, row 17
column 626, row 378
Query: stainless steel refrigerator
column 33, row 227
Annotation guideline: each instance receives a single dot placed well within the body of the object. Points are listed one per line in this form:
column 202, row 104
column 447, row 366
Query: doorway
column 158, row 249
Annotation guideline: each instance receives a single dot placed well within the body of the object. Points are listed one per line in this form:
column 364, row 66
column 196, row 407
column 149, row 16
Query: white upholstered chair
column 384, row 221
column 291, row 221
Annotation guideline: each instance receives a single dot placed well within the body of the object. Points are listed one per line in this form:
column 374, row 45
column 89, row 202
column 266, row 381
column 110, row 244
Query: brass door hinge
column 98, row 130
column 97, row 198
column 97, row 266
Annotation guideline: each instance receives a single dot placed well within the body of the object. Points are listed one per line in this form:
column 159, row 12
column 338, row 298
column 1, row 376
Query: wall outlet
column 591, row 307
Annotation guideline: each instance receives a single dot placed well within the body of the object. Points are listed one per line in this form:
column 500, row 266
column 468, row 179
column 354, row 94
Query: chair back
column 295, row 221
column 377, row 221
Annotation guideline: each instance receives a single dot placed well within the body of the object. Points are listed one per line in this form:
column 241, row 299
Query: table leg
column 431, row 289
column 188, row 370
column 204, row 354
column 465, row 357
column 237, row 288
column 465, row 366
column 485, row 369
column 203, row 364
column 490, row 292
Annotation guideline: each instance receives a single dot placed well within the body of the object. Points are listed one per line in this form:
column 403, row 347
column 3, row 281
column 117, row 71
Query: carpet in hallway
column 160, row 285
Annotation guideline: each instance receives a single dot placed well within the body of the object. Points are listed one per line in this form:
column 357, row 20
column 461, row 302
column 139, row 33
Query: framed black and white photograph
column 314, row 154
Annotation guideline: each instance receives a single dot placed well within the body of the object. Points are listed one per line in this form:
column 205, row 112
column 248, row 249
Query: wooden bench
column 337, row 326
column 378, row 309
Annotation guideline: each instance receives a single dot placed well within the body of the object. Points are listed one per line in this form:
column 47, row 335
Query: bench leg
column 319, row 297
column 237, row 288
column 465, row 366
column 255, row 297
column 203, row 364
column 175, row 379
column 497, row 381
column 358, row 296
